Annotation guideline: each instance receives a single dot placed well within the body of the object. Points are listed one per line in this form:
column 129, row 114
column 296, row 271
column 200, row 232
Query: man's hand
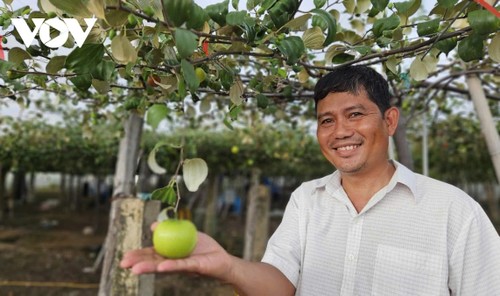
column 208, row 258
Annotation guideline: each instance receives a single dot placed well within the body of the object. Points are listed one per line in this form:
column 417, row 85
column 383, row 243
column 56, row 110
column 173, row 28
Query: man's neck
column 360, row 187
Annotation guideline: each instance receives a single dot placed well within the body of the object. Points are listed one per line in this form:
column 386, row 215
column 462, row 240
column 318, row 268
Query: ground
column 45, row 252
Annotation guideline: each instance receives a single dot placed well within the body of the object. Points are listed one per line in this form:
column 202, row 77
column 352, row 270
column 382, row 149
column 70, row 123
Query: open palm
column 208, row 258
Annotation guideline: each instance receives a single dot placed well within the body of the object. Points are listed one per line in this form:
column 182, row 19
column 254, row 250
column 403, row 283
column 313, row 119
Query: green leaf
column 447, row 3
column 293, row 48
column 5, row 66
column 265, row 5
column 332, row 25
column 177, row 11
column 74, row 7
column 217, row 12
column 349, row 5
column 298, row 22
column 82, row 82
column 385, row 24
column 494, row 48
column 262, row 101
column 483, row 22
column 122, row 50
column 471, row 48
column 55, row 64
column 428, row 28
column 362, row 49
column 342, row 58
column 226, row 78
column 84, row 59
column 189, row 73
column 116, row 18
column 165, row 194
column 234, row 111
column 235, row 4
column 379, row 5
column 313, row 38
column 181, row 86
column 407, row 8
column 194, row 172
column 236, row 18
column 96, row 7
column 282, row 11
column 156, row 114
column 18, row 55
column 236, row 91
column 319, row 3
column 446, row 45
column 104, row 70
column 186, row 42
column 418, row 70
column 102, row 87
column 197, row 18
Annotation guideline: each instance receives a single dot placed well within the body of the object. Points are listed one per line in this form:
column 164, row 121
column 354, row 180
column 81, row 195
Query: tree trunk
column 130, row 219
column 68, row 191
column 401, row 142
column 30, row 188
column 492, row 202
column 486, row 119
column 62, row 185
column 126, row 219
column 257, row 219
column 3, row 174
column 210, row 221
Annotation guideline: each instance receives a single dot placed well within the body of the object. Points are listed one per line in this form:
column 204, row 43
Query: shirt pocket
column 406, row 272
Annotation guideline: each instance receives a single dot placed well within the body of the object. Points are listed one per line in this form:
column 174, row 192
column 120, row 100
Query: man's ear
column 391, row 119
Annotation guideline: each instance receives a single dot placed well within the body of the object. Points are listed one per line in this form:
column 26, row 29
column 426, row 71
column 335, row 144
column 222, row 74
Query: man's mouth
column 347, row 148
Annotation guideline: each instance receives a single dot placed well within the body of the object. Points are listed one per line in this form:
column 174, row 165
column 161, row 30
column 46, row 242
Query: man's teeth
column 347, row 148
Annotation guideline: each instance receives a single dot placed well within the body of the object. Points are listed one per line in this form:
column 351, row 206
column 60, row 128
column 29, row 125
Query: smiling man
column 373, row 227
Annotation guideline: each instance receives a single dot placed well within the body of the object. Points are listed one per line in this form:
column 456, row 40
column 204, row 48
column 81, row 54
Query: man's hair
column 354, row 79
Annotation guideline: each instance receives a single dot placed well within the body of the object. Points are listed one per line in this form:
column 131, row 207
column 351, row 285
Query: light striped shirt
column 416, row 236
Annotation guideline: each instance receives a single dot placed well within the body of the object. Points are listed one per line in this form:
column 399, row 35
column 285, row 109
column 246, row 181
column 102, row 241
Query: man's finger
column 144, row 267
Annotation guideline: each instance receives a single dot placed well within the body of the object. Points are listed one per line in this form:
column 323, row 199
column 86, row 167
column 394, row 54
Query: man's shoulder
column 314, row 184
column 439, row 192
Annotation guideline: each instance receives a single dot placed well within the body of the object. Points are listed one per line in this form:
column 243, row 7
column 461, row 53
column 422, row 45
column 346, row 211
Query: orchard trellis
column 166, row 57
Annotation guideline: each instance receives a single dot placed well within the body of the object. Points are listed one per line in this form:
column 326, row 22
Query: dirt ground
column 46, row 253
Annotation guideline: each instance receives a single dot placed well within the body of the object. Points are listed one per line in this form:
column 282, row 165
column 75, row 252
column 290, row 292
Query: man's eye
column 355, row 114
column 326, row 121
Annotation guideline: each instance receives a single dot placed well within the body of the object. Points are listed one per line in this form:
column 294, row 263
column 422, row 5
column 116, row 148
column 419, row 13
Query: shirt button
column 351, row 257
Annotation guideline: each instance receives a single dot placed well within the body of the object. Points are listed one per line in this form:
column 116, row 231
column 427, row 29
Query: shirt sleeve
column 283, row 248
column 475, row 258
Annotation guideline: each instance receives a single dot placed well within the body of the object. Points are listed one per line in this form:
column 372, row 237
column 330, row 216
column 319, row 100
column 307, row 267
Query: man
column 373, row 227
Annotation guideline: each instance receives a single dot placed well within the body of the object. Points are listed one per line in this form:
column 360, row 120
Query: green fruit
column 200, row 74
column 174, row 238
column 149, row 11
column 235, row 149
column 132, row 20
column 112, row 34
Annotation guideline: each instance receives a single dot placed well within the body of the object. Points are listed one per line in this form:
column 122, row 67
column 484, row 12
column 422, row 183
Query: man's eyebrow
column 348, row 109
column 355, row 107
column 327, row 113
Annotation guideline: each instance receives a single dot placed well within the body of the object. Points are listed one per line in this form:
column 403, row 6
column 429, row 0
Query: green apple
column 174, row 238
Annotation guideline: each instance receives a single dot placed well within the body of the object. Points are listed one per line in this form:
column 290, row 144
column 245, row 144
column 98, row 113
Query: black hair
column 354, row 79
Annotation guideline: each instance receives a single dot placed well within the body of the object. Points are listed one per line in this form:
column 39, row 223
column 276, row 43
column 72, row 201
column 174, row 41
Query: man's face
column 352, row 133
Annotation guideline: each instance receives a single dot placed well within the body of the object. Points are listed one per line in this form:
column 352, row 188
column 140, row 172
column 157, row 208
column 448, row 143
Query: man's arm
column 475, row 259
column 210, row 259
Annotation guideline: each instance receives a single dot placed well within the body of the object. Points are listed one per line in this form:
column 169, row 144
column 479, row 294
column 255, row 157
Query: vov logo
column 65, row 27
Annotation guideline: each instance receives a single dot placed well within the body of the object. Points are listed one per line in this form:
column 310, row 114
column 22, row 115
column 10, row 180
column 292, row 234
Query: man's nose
column 342, row 129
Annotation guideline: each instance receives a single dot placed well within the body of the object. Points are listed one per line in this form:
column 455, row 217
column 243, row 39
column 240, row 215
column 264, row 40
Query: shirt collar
column 402, row 175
